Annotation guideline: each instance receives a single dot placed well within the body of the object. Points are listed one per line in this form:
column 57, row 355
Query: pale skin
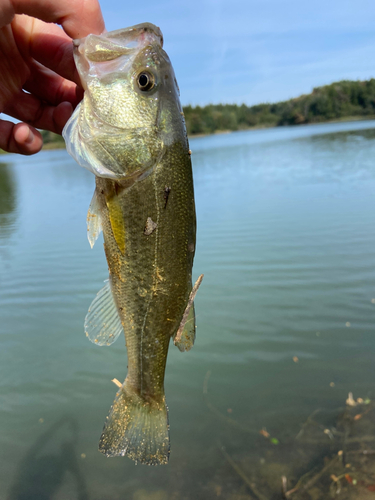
column 36, row 56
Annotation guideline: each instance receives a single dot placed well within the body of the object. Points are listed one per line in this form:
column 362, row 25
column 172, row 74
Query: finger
column 78, row 17
column 50, row 87
column 47, row 44
column 33, row 111
column 19, row 138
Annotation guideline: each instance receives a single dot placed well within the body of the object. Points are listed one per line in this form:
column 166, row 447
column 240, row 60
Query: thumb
column 19, row 138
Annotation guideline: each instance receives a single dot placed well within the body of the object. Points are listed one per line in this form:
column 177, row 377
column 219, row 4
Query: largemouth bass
column 130, row 132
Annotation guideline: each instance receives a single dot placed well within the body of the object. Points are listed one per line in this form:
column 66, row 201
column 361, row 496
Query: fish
column 129, row 131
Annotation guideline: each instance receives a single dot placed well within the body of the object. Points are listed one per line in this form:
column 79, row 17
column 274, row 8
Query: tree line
column 336, row 101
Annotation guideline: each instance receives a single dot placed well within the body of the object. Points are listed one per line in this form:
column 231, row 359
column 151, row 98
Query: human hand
column 36, row 56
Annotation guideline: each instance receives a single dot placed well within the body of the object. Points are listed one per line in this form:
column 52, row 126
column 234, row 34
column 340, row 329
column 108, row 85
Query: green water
column 286, row 240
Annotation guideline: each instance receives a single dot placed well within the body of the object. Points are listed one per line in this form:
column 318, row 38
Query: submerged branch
column 254, row 490
column 218, row 413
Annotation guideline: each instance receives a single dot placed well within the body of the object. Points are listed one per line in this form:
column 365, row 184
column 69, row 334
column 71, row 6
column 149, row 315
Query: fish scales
column 152, row 279
column 130, row 132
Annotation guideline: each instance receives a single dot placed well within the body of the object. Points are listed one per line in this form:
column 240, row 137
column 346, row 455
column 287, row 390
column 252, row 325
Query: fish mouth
column 137, row 30
column 129, row 35
column 114, row 48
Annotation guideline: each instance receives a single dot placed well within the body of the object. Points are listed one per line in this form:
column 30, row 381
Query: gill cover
column 117, row 130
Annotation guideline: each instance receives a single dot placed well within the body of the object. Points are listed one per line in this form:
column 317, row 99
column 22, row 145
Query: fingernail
column 30, row 137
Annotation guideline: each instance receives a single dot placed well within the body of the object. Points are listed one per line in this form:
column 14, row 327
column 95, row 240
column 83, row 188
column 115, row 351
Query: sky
column 253, row 51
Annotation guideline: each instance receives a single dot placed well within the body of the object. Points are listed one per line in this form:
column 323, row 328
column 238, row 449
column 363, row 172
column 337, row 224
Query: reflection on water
column 44, row 468
column 8, row 199
column 285, row 315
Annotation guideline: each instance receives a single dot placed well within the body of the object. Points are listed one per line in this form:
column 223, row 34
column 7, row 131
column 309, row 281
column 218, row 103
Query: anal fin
column 102, row 322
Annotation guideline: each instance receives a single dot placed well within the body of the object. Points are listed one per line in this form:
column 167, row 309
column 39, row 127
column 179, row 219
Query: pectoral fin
column 94, row 223
column 117, row 222
column 185, row 336
column 102, row 322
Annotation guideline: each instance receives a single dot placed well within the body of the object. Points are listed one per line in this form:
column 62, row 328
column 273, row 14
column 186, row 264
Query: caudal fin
column 136, row 428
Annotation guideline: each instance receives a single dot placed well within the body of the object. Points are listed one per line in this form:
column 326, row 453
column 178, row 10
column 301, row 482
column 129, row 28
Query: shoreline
column 54, row 145
column 357, row 118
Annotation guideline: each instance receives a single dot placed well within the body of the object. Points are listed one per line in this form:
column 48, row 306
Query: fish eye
column 146, row 81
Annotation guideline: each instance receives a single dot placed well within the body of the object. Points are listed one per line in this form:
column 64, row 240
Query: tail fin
column 136, row 428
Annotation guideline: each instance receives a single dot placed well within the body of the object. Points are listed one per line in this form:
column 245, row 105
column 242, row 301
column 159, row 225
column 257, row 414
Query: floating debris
column 350, row 401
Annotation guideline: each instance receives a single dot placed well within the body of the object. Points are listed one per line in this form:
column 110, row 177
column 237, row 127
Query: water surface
column 286, row 240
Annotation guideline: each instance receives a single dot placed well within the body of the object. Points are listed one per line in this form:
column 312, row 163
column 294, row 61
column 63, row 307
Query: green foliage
column 337, row 101
column 51, row 138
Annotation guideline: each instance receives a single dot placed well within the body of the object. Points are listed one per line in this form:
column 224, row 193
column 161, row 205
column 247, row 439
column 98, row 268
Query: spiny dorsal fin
column 102, row 322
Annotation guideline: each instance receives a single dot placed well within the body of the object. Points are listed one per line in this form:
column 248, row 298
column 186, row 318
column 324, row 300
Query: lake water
column 286, row 241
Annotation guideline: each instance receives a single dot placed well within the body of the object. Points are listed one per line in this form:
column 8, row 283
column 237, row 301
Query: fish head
column 131, row 110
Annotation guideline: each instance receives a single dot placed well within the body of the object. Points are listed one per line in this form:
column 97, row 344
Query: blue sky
column 257, row 50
